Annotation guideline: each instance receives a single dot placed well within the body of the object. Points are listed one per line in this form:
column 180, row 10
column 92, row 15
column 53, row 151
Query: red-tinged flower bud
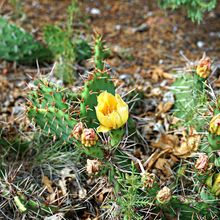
column 164, row 195
column 77, row 130
column 203, row 68
column 148, row 179
column 93, row 166
column 202, row 162
column 89, row 137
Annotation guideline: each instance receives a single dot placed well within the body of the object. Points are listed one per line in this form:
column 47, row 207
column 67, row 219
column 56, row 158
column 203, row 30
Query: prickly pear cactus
column 47, row 94
column 20, row 46
column 54, row 121
column 53, row 108
column 97, row 82
column 50, row 107
column 189, row 91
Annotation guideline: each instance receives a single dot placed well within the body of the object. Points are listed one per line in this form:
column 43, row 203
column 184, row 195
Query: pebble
column 95, row 11
column 143, row 27
column 168, row 97
column 18, row 110
column 200, row 44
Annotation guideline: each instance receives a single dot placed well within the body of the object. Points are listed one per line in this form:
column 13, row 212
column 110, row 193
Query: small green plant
column 65, row 45
column 20, row 46
column 194, row 8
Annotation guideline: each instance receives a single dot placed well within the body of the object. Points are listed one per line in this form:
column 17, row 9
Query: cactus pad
column 54, row 121
column 20, row 46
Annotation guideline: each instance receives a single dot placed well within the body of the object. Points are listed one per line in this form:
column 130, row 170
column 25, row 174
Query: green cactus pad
column 48, row 94
column 55, row 122
column 189, row 91
column 20, row 46
column 99, row 53
column 214, row 141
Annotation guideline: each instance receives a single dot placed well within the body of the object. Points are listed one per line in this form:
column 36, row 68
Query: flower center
column 108, row 109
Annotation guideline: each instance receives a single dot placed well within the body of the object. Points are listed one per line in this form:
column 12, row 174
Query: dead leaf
column 158, row 74
column 164, row 107
column 166, row 142
column 189, row 144
column 164, row 165
column 48, row 184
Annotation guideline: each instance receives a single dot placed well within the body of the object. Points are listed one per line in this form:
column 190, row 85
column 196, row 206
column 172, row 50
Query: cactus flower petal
column 214, row 125
column 111, row 111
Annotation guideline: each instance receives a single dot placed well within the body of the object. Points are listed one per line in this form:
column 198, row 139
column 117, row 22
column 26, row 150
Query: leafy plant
column 194, row 8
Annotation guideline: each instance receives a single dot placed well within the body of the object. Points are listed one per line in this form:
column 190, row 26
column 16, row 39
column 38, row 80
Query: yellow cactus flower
column 216, row 186
column 214, row 125
column 111, row 111
column 203, row 68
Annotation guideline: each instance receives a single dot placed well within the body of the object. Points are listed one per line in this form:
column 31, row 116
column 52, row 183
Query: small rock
column 18, row 110
column 118, row 27
column 200, row 44
column 143, row 27
column 95, row 11
column 82, row 193
column 168, row 97
column 58, row 216
column 160, row 61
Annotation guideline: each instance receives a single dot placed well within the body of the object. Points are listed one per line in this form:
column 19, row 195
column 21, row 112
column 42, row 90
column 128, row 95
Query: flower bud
column 77, row 130
column 89, row 137
column 202, row 163
column 214, row 126
column 164, row 195
column 93, row 166
column 148, row 179
column 203, row 68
